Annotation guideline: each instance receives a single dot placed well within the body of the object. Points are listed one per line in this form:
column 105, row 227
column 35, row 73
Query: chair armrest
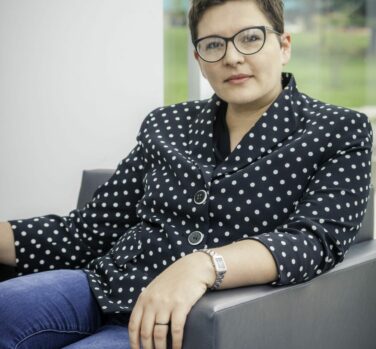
column 335, row 310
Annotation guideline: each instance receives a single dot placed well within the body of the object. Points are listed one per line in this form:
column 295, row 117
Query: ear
column 197, row 58
column 285, row 48
column 195, row 54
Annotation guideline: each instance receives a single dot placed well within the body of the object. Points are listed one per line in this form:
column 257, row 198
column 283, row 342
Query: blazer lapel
column 275, row 125
column 201, row 138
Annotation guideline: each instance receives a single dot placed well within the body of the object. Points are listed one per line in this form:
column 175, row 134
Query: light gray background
column 77, row 77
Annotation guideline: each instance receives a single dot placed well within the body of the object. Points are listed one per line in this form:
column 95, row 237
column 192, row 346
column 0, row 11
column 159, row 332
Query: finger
column 178, row 319
column 134, row 326
column 160, row 335
column 147, row 328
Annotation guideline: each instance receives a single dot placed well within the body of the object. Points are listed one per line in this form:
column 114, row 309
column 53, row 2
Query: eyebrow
column 237, row 31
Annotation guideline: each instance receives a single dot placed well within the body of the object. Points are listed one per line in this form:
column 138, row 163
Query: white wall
column 76, row 80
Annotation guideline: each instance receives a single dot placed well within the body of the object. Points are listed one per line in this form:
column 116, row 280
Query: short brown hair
column 272, row 10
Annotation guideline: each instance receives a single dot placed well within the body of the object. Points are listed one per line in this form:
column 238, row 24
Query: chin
column 241, row 98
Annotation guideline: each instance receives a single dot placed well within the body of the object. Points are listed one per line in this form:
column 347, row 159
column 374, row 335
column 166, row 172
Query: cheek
column 203, row 71
column 211, row 72
column 213, row 75
column 268, row 65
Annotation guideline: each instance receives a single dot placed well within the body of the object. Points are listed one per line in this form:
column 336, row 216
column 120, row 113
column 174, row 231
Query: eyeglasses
column 248, row 41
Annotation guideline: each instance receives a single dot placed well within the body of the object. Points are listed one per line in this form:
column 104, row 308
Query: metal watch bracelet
column 220, row 270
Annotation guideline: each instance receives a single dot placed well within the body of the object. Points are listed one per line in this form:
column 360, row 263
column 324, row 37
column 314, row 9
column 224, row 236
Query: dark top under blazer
column 298, row 182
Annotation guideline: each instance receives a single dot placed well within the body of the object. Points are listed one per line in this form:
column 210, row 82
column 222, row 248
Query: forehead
column 230, row 17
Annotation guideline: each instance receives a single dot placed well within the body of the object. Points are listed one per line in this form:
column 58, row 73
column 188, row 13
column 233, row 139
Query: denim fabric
column 55, row 309
column 108, row 336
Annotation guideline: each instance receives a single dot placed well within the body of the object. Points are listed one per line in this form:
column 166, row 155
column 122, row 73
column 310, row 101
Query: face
column 263, row 69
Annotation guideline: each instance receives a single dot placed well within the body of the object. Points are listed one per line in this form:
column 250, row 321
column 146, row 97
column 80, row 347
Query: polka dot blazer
column 298, row 182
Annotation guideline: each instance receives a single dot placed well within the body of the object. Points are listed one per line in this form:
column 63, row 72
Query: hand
column 168, row 299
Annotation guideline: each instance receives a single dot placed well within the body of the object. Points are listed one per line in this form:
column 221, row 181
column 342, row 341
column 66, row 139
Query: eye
column 250, row 38
column 212, row 45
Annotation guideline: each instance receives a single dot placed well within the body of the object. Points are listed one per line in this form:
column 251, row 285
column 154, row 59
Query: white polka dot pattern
column 298, row 182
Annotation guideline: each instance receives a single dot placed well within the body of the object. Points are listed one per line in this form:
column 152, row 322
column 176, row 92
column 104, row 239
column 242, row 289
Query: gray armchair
column 336, row 310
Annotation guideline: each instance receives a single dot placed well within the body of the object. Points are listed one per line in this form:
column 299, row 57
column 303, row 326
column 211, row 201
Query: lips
column 237, row 77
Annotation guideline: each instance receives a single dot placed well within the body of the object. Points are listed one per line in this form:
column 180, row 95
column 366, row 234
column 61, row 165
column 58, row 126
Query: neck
column 240, row 117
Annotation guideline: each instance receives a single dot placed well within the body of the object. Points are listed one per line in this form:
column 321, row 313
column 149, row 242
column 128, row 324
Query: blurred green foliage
column 175, row 65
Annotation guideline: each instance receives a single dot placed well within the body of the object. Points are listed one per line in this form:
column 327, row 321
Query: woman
column 272, row 181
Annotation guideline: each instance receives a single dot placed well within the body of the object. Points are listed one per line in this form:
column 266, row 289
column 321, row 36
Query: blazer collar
column 276, row 124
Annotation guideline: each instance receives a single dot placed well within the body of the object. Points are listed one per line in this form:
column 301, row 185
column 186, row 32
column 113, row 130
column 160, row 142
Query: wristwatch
column 219, row 266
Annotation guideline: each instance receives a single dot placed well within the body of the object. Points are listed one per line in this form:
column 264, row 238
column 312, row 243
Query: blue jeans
column 55, row 309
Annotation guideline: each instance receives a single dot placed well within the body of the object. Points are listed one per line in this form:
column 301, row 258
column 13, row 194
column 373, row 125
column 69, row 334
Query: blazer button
column 200, row 197
column 195, row 237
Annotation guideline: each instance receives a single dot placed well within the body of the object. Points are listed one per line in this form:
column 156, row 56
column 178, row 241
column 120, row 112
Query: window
column 334, row 51
column 176, row 36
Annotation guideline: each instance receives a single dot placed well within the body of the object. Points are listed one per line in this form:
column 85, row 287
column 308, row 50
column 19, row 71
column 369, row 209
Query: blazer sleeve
column 51, row 241
column 325, row 221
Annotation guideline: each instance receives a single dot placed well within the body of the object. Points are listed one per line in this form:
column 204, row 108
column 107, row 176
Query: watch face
column 220, row 263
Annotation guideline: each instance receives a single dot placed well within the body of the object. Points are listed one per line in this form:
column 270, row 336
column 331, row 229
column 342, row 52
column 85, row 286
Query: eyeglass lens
column 248, row 41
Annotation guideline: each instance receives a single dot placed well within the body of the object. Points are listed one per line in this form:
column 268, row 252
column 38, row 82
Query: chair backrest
column 366, row 231
column 91, row 180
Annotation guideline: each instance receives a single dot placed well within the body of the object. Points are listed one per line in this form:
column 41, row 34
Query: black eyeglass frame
column 264, row 28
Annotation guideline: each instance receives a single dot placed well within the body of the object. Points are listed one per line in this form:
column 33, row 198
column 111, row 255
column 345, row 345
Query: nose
column 232, row 56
